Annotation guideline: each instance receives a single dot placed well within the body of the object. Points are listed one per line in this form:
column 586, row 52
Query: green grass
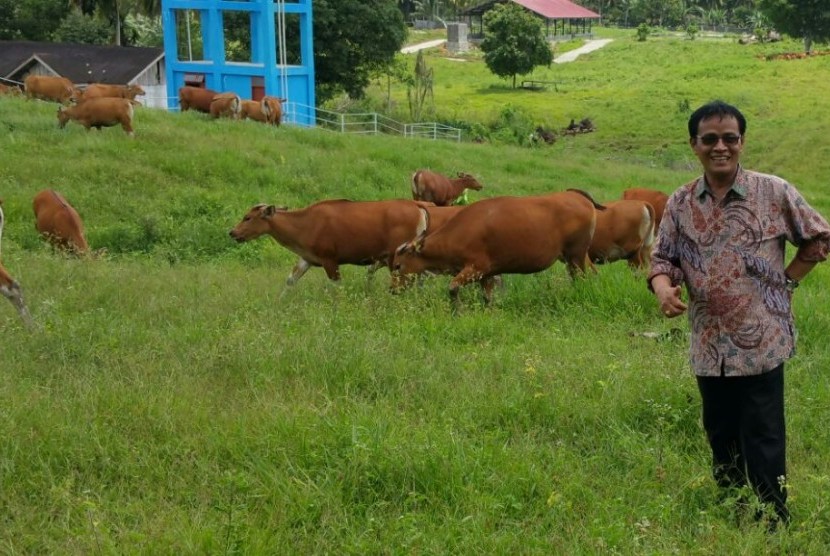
column 180, row 399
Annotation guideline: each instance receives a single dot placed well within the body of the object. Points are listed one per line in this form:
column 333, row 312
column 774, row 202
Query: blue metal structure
column 266, row 73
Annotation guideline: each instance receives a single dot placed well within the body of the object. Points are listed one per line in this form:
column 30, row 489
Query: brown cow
column 439, row 189
column 335, row 232
column 657, row 199
column 504, row 235
column 225, row 105
column 11, row 90
column 272, row 107
column 98, row 90
column 195, row 98
column 624, row 231
column 9, row 286
column 46, row 87
column 59, row 222
column 268, row 110
column 98, row 113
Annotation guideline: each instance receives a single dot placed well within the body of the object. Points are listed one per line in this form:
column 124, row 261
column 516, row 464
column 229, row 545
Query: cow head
column 133, row 91
column 11, row 291
column 407, row 262
column 255, row 223
column 469, row 181
column 63, row 117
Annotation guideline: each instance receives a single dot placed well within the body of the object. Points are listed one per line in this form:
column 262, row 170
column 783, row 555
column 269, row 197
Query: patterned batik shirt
column 730, row 255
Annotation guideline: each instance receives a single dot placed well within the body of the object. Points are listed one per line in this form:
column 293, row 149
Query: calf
column 335, row 232
column 225, row 105
column 195, row 98
column 9, row 286
column 59, row 222
column 98, row 113
column 98, row 90
column 655, row 198
column 439, row 189
column 624, row 231
column 252, row 110
column 504, row 235
column 47, row 87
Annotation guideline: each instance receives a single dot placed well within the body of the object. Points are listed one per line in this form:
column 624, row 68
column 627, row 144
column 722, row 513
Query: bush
column 643, row 31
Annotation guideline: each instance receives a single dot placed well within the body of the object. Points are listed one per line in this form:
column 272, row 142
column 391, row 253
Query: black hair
column 715, row 108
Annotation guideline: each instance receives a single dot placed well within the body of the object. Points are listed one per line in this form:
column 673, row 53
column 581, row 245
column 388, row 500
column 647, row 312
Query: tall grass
column 180, row 399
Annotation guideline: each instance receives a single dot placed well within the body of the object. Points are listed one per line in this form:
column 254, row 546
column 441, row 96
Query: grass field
column 178, row 398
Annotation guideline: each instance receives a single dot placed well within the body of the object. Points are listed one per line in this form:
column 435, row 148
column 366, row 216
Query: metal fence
column 370, row 123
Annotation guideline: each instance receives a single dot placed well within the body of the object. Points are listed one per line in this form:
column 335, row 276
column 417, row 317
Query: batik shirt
column 730, row 255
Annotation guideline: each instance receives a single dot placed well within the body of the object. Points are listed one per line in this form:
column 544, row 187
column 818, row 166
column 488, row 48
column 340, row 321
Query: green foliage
column 805, row 19
column 33, row 20
column 514, row 41
column 420, row 88
column 147, row 30
column 692, row 30
column 352, row 40
column 643, row 31
column 82, row 29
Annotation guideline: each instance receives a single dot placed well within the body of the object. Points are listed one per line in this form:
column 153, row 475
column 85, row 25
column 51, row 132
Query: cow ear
column 269, row 211
column 418, row 244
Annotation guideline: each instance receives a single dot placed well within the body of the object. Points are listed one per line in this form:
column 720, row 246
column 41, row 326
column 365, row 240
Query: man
column 724, row 235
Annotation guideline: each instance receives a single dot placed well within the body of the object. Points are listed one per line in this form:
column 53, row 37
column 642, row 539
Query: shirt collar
column 738, row 186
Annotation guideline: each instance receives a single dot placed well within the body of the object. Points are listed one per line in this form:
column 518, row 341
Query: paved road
column 589, row 46
column 569, row 56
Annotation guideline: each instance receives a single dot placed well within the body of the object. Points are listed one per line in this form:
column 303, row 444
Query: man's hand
column 668, row 296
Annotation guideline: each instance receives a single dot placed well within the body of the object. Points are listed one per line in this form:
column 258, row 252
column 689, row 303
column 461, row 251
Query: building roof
column 550, row 9
column 80, row 63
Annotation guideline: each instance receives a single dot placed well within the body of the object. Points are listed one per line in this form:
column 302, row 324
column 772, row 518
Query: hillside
column 179, row 398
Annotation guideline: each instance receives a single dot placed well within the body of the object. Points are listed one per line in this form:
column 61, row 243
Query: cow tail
column 588, row 196
column 649, row 232
column 416, row 194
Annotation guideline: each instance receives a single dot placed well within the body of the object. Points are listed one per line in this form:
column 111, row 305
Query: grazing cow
column 195, row 98
column 98, row 113
column 98, row 90
column 504, row 235
column 9, row 286
column 335, row 232
column 252, row 110
column 655, row 198
column 59, row 222
column 439, row 189
column 272, row 107
column 624, row 231
column 46, row 87
column 225, row 105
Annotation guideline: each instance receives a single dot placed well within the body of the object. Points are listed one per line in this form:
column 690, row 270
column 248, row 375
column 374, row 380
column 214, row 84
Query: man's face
column 718, row 146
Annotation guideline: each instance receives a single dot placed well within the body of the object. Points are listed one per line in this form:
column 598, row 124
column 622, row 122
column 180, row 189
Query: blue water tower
column 202, row 48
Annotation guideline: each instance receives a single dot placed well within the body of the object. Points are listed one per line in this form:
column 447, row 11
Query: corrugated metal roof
column 550, row 9
column 558, row 9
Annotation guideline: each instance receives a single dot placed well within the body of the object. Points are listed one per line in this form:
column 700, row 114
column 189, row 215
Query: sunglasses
column 711, row 139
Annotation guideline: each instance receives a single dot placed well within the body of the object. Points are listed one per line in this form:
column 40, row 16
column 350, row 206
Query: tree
column 33, row 20
column 514, row 42
column 353, row 39
column 804, row 19
column 82, row 29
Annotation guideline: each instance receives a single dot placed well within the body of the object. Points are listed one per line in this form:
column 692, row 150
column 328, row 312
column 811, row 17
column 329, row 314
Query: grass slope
column 179, row 399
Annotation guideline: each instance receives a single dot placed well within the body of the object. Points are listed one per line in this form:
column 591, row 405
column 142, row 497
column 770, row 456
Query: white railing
column 370, row 123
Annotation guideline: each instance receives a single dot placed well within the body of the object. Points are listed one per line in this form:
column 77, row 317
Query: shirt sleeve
column 664, row 256
column 806, row 228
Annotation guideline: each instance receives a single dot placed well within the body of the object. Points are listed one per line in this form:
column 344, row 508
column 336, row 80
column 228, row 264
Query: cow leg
column 332, row 270
column 297, row 272
column 13, row 293
column 487, row 285
column 467, row 275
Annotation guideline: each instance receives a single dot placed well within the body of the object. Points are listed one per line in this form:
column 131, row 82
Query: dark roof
column 550, row 9
column 80, row 63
